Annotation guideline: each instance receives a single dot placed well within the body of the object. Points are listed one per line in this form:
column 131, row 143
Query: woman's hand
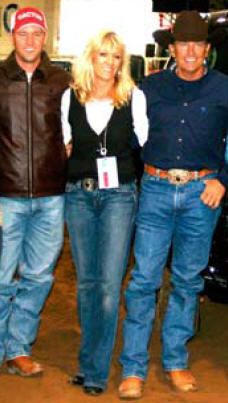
column 68, row 147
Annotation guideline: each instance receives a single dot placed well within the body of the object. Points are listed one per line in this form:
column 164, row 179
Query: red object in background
column 164, row 21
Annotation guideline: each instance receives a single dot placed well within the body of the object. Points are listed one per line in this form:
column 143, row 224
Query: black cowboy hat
column 189, row 26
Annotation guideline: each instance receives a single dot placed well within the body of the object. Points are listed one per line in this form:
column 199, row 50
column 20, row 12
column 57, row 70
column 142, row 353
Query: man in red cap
column 181, row 191
column 29, row 34
column 32, row 170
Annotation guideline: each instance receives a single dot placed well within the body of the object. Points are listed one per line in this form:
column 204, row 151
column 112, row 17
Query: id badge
column 107, row 173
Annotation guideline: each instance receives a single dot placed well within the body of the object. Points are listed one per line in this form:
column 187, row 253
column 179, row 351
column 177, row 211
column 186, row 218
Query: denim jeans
column 100, row 225
column 32, row 236
column 167, row 214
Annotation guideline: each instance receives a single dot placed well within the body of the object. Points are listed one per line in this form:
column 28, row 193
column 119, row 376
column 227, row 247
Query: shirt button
column 185, row 103
column 178, row 157
column 180, row 140
column 182, row 121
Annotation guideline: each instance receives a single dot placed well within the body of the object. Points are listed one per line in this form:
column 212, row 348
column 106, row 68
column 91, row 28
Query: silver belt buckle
column 89, row 184
column 178, row 176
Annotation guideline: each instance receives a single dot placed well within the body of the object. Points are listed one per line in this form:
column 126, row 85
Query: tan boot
column 182, row 380
column 131, row 388
column 24, row 366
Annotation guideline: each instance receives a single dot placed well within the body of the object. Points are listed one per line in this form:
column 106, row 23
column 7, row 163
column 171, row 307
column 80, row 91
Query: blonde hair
column 84, row 72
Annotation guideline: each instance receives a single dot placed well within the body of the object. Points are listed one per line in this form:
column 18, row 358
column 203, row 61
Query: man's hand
column 213, row 193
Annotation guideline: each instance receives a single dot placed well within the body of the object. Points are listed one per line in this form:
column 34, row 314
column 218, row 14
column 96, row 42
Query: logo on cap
column 28, row 16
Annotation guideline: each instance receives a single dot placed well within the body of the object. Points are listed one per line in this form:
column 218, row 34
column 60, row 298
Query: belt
column 88, row 184
column 177, row 176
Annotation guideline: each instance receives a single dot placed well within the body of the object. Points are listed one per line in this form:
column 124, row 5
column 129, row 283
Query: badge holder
column 107, row 168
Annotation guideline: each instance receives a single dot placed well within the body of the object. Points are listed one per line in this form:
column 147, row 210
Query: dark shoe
column 182, row 380
column 131, row 388
column 77, row 380
column 24, row 366
column 93, row 390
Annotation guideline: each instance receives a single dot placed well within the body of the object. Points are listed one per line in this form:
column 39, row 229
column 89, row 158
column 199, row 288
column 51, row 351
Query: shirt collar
column 14, row 71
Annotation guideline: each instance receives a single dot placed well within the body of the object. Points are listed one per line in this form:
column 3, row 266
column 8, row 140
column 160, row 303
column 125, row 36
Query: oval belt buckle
column 178, row 176
column 89, row 184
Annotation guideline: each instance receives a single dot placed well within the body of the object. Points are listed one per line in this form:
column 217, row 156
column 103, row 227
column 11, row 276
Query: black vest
column 82, row 162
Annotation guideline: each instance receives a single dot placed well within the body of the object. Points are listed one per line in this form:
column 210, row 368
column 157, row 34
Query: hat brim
column 165, row 38
column 30, row 25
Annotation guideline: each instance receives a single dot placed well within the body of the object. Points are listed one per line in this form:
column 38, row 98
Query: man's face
column 190, row 58
column 29, row 42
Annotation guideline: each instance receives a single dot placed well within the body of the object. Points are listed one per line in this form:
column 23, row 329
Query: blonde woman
column 101, row 113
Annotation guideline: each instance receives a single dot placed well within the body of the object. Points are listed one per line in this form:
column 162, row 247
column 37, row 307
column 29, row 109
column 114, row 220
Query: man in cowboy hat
column 184, row 181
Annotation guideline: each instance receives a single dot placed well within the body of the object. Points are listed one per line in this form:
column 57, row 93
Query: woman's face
column 106, row 62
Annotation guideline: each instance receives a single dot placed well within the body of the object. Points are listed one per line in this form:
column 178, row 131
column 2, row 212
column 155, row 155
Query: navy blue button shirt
column 188, row 122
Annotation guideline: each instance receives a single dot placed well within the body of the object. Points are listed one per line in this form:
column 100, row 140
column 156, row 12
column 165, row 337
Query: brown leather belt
column 177, row 176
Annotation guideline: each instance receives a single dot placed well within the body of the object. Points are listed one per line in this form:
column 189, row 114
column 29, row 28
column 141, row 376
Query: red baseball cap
column 28, row 16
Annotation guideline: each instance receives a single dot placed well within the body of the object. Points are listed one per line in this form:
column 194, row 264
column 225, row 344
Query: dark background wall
column 178, row 5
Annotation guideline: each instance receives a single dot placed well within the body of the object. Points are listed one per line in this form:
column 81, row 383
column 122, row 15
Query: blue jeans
column 167, row 214
column 32, row 236
column 100, row 225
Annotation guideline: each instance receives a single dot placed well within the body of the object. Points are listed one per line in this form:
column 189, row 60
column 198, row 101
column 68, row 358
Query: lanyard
column 103, row 147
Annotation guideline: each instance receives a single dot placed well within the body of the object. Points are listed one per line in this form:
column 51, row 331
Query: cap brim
column 30, row 25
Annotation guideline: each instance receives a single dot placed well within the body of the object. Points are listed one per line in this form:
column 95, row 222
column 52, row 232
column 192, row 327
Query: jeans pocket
column 126, row 192
column 149, row 178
